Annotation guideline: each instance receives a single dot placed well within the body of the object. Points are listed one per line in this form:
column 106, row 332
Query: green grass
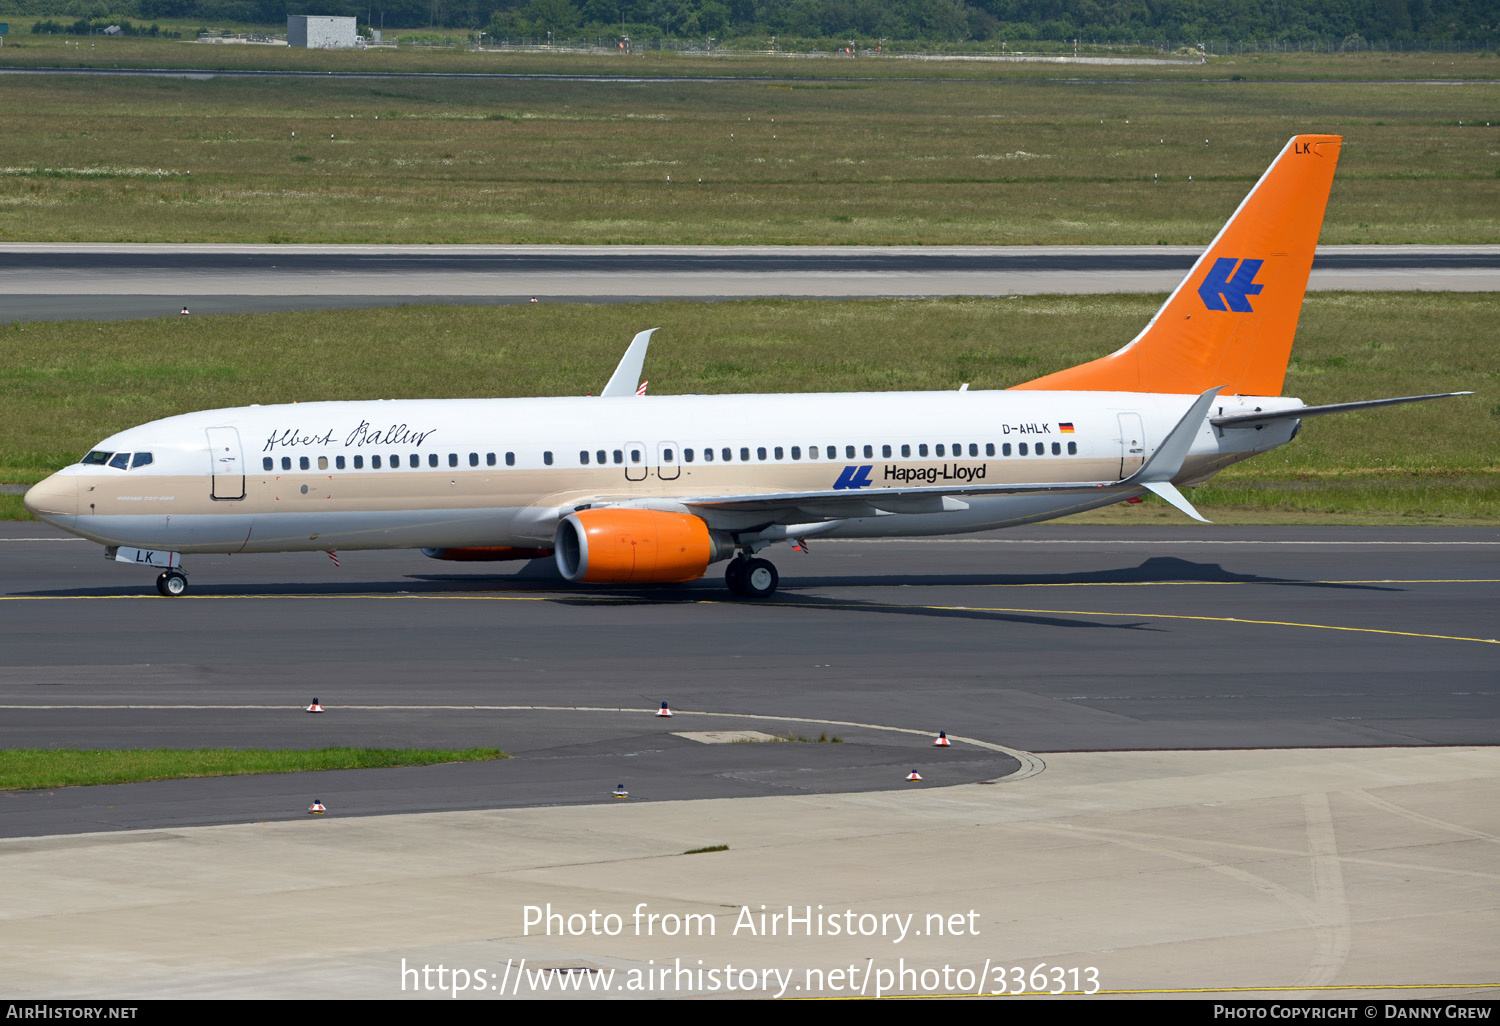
column 939, row 161
column 66, row 385
column 22, row 49
column 33, row 768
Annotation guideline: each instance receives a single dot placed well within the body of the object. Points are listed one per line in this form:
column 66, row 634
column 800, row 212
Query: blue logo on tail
column 1234, row 288
column 854, row 477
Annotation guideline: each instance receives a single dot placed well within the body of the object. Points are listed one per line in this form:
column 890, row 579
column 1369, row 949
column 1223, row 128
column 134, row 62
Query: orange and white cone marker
column 620, row 791
column 315, row 707
column 665, row 711
column 316, row 808
column 942, row 740
column 914, row 776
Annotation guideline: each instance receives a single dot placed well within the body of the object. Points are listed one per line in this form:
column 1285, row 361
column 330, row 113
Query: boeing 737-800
column 652, row 489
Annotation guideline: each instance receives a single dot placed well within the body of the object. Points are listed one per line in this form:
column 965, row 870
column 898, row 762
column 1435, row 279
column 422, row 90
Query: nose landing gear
column 171, row 583
column 751, row 578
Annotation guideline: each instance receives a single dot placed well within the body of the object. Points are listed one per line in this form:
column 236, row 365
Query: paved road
column 1041, row 639
column 87, row 281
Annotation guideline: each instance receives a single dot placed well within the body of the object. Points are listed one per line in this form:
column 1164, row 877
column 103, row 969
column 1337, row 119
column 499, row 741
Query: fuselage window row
column 123, row 461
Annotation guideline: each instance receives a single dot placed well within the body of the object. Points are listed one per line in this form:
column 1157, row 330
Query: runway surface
column 97, row 281
column 1035, row 640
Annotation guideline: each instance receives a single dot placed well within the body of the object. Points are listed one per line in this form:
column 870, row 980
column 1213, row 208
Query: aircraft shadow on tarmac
column 538, row 577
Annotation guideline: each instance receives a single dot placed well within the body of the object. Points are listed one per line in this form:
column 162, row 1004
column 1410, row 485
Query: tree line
column 1412, row 24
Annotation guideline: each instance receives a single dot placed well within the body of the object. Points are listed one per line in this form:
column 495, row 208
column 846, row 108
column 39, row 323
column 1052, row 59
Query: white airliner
column 652, row 489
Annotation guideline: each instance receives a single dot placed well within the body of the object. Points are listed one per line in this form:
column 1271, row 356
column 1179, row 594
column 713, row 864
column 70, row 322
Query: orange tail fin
column 1232, row 319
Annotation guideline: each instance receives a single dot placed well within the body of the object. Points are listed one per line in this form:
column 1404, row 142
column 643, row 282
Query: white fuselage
column 502, row 472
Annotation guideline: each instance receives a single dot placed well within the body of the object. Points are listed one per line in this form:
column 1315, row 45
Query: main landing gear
column 751, row 578
column 172, row 583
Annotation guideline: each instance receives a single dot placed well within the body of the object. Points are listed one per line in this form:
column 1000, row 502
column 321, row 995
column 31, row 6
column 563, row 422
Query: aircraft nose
column 55, row 497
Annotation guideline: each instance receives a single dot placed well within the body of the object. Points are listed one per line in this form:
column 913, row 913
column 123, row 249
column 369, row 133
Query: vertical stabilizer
column 1232, row 319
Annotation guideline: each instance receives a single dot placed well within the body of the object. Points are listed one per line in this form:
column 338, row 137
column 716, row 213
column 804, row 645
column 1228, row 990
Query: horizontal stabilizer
column 1249, row 419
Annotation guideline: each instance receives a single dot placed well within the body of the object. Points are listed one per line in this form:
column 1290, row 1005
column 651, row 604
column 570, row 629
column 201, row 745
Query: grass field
column 937, row 161
column 67, row 385
column 22, row 49
column 34, row 768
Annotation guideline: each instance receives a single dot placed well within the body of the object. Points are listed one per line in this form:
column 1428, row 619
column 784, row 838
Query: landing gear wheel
column 172, row 583
column 734, row 576
column 760, row 579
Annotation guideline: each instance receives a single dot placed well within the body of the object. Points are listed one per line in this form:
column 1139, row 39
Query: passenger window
column 973, row 448
column 833, row 452
column 666, row 455
column 849, row 452
column 619, row 456
column 1006, row 449
column 812, row 452
column 1041, row 449
column 374, row 462
column 708, row 455
column 905, row 451
column 359, row 463
column 489, row 459
column 922, row 449
column 760, row 452
column 635, row 455
column 745, row 455
column 303, row 464
column 395, row 462
column 938, row 451
column 583, row 457
column 453, row 459
column 728, row 454
column 1072, row 448
column 268, row 464
column 338, row 462
column 432, row 459
column 473, row 459
column 885, row 452
column 1021, row 448
column 547, row 457
column 1056, row 449
column 599, row 455
column 140, row 459
column 778, row 452
column 322, row 462
column 869, row 452
column 414, row 461
column 687, row 455
column 796, row 452
column 510, row 459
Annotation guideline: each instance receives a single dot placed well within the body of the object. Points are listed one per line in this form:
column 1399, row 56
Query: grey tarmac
column 1267, row 760
column 118, row 281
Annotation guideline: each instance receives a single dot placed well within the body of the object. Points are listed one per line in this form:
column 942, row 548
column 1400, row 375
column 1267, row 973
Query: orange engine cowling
column 642, row 546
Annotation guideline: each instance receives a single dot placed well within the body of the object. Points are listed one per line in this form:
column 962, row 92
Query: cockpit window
column 121, row 460
column 140, row 459
column 97, row 458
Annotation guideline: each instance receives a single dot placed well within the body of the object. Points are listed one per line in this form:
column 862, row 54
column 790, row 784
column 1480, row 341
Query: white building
column 319, row 32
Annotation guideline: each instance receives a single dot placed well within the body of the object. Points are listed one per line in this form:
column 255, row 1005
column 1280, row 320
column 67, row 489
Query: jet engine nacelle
column 640, row 546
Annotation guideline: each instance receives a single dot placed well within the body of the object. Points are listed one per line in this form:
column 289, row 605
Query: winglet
column 627, row 376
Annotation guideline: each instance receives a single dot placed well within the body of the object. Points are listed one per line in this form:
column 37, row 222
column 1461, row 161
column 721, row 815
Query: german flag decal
column 1065, row 428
